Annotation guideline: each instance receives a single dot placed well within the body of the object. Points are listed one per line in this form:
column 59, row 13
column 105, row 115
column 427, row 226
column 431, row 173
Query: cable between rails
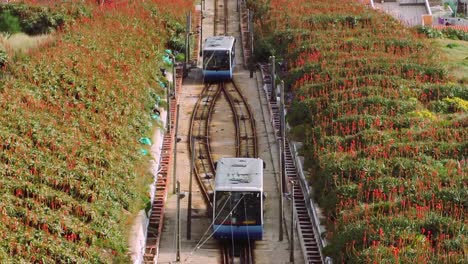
column 203, row 241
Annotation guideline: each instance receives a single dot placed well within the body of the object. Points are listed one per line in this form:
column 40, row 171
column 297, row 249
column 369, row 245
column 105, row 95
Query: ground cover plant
column 384, row 127
column 72, row 173
column 455, row 54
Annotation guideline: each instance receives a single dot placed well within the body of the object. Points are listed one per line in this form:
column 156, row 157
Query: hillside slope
column 71, row 171
column 384, row 130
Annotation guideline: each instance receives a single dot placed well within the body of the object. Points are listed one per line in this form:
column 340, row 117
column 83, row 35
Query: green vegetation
column 71, row 170
column 8, row 23
column 455, row 57
column 449, row 33
column 384, row 129
column 35, row 19
column 3, row 58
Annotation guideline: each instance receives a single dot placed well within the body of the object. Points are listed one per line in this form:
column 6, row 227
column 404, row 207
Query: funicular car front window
column 238, row 208
column 216, row 60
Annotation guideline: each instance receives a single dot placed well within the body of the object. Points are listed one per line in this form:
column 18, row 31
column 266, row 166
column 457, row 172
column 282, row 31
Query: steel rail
column 225, row 17
column 246, row 256
column 215, row 17
column 235, row 118
column 237, row 252
column 246, row 141
column 199, row 132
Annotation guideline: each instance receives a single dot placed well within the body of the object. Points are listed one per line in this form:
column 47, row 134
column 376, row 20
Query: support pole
column 189, row 28
column 283, row 135
column 225, row 18
column 187, row 41
column 291, row 255
column 273, row 79
column 281, row 161
column 189, row 207
column 168, row 116
column 178, row 223
column 174, row 84
column 251, row 31
column 201, row 32
column 174, row 161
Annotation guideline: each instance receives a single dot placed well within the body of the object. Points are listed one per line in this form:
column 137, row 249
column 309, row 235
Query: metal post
column 187, row 41
column 178, row 223
column 251, row 31
column 189, row 34
column 291, row 256
column 226, row 16
column 189, row 207
column 168, row 117
column 280, row 203
column 174, row 163
column 273, row 79
column 281, row 159
column 174, row 85
column 283, row 134
column 248, row 20
column 201, row 32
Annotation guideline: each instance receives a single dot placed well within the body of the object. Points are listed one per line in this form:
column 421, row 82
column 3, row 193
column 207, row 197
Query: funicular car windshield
column 245, row 207
column 216, row 60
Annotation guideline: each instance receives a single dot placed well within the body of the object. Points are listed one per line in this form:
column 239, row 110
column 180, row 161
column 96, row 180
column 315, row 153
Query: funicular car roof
column 239, row 174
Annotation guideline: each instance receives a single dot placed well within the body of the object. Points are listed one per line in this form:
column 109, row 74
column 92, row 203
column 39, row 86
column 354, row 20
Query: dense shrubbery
column 36, row 19
column 450, row 33
column 386, row 136
column 9, row 23
column 71, row 114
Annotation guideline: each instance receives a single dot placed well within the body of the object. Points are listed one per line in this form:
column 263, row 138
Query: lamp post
column 187, row 41
column 189, row 207
column 273, row 79
column 171, row 94
column 251, row 31
column 281, row 156
column 201, row 34
column 179, row 197
column 168, row 115
column 283, row 134
column 291, row 255
column 173, row 58
column 174, row 162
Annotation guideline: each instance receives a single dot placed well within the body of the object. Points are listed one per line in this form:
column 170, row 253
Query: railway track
column 200, row 140
column 246, row 135
column 220, row 13
column 238, row 253
column 307, row 223
column 246, row 138
column 246, row 144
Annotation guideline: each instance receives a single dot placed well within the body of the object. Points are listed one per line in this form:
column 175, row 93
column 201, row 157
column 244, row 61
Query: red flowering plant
column 71, row 111
column 386, row 132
